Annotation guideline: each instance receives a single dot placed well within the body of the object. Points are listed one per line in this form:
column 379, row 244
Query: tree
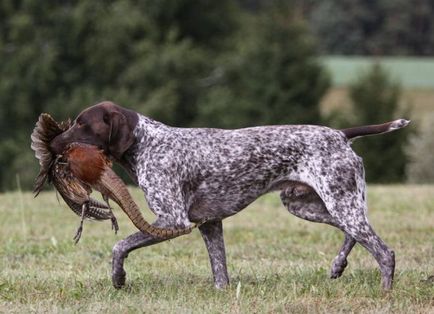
column 273, row 77
column 185, row 63
column 375, row 100
column 384, row 27
column 420, row 168
column 62, row 56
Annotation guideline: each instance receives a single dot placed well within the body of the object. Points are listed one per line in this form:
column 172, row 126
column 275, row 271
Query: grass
column 412, row 72
column 277, row 262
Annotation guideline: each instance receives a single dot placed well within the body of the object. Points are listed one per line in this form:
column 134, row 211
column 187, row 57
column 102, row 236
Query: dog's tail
column 353, row 133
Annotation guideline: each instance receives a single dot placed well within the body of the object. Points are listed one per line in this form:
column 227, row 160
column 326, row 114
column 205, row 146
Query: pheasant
column 78, row 170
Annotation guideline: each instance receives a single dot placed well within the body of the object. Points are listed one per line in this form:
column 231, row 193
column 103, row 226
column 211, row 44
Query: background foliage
column 179, row 62
column 420, row 150
column 375, row 99
column 382, row 27
column 187, row 63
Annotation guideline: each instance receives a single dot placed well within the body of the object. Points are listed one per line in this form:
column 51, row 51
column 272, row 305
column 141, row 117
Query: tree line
column 187, row 63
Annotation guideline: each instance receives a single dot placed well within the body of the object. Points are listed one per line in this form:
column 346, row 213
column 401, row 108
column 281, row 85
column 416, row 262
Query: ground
column 277, row 262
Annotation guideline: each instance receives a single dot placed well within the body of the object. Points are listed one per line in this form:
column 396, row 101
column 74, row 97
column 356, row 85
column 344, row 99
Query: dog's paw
column 338, row 268
column 119, row 278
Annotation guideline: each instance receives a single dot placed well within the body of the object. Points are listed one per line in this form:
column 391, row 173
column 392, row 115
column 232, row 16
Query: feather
column 73, row 191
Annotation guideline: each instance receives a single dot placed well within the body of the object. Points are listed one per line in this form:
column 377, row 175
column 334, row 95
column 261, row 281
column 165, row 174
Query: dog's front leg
column 121, row 250
column 212, row 234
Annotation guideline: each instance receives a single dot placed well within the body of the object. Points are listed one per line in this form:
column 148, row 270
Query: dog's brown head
column 105, row 125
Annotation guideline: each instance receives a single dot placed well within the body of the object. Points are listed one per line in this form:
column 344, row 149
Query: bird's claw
column 115, row 225
column 84, row 208
column 78, row 234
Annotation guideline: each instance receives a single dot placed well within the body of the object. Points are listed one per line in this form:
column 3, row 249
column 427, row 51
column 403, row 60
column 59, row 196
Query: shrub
column 420, row 148
column 272, row 77
column 376, row 99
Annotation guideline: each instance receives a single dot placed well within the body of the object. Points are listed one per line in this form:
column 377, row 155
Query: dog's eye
column 78, row 123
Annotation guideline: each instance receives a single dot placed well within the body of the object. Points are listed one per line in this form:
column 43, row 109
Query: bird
column 91, row 166
column 55, row 170
column 78, row 170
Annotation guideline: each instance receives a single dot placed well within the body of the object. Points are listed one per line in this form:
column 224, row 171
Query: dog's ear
column 120, row 136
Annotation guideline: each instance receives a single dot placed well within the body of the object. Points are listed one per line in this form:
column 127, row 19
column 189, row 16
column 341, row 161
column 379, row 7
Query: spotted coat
column 194, row 174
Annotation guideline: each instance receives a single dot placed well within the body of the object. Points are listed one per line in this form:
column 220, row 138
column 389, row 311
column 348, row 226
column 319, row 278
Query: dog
column 192, row 175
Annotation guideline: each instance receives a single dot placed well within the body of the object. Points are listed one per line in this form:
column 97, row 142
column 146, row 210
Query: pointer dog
column 191, row 175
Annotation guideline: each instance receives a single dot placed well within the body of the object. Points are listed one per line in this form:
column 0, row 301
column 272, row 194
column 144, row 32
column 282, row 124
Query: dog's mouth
column 53, row 169
column 78, row 170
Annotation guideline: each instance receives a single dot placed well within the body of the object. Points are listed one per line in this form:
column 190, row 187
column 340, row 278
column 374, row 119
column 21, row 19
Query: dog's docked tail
column 353, row 133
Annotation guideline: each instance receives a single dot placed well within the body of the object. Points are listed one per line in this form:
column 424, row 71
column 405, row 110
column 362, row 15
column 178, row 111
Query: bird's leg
column 113, row 219
column 84, row 208
column 115, row 225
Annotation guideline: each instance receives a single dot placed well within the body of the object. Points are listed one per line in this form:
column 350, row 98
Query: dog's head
column 105, row 125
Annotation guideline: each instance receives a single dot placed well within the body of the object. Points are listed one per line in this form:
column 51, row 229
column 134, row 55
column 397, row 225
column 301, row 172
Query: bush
column 272, row 77
column 62, row 56
column 183, row 62
column 420, row 168
column 376, row 99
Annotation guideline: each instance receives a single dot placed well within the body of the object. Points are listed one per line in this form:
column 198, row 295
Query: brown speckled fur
column 192, row 174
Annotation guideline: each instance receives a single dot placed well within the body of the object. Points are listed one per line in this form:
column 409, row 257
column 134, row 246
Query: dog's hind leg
column 303, row 202
column 340, row 261
column 342, row 188
column 362, row 232
column 350, row 213
column 212, row 234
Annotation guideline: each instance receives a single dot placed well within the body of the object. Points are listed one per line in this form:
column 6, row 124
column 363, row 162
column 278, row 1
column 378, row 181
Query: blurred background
column 227, row 63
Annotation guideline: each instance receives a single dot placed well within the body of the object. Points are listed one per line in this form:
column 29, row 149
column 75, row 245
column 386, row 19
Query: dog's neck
column 146, row 134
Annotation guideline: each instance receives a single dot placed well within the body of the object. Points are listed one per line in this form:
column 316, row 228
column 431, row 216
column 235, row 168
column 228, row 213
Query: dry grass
column 280, row 263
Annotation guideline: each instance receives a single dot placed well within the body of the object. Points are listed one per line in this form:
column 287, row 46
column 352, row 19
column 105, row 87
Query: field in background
column 277, row 262
column 416, row 75
column 419, row 102
column 413, row 73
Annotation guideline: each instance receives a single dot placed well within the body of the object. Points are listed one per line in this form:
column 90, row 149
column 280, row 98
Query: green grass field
column 411, row 72
column 277, row 262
